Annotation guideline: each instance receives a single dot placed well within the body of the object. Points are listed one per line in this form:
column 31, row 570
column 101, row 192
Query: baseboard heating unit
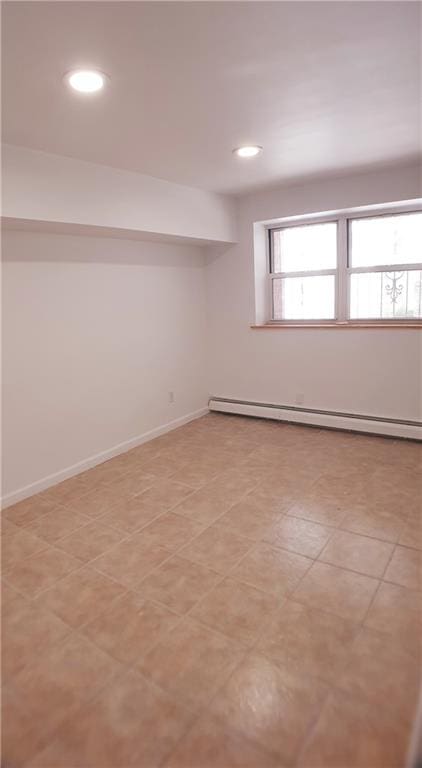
column 375, row 425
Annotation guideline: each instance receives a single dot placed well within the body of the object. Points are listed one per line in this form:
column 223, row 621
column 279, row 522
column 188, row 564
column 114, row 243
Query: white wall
column 40, row 187
column 96, row 332
column 375, row 372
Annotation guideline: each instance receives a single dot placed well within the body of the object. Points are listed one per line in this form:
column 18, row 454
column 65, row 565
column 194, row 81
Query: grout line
column 312, row 727
column 178, row 552
column 128, row 536
column 372, row 601
column 136, row 589
column 73, row 711
column 388, row 562
column 360, row 626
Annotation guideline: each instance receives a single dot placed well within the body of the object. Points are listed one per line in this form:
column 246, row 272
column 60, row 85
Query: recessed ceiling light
column 86, row 80
column 249, row 151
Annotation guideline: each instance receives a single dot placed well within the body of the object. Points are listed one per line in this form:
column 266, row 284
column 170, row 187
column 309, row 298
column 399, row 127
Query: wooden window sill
column 287, row 326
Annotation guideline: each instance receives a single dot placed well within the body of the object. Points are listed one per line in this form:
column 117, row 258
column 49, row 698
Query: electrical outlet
column 300, row 398
column 171, row 397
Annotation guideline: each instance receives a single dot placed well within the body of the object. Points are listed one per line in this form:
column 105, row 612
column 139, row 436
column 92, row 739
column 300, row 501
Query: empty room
column 211, row 487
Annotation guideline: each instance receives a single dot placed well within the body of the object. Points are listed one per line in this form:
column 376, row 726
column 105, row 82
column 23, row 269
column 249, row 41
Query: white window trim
column 343, row 271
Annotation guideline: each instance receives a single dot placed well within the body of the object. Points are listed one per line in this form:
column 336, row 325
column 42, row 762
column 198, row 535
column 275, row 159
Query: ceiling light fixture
column 86, row 80
column 248, row 151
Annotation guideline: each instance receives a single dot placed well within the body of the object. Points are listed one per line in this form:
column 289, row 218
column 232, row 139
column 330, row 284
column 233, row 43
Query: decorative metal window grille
column 341, row 268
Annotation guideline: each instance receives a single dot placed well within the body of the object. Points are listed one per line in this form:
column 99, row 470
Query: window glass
column 386, row 295
column 386, row 240
column 304, row 248
column 304, row 298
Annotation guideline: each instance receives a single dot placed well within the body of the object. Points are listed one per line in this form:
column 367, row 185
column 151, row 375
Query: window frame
column 343, row 271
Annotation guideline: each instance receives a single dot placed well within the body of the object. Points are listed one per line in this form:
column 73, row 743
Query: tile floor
column 237, row 593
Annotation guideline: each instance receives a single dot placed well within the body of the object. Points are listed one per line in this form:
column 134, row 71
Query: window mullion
column 304, row 273
column 352, row 283
column 270, row 298
column 342, row 293
column 386, row 268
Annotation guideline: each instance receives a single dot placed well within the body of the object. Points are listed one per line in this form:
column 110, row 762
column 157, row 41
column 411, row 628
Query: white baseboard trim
column 351, row 422
column 98, row 458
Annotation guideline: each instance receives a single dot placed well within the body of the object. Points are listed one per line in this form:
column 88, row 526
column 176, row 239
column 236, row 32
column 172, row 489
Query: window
column 385, row 266
column 304, row 265
column 359, row 268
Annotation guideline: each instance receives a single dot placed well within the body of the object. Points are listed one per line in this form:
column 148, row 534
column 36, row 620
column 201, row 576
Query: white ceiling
column 323, row 86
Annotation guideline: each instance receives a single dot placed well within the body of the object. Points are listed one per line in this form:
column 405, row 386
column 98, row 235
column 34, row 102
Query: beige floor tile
column 178, row 583
column 203, row 506
column 411, row 535
column 12, row 602
column 133, row 483
column 405, row 568
column 208, row 745
column 405, row 455
column 7, row 528
column 319, row 510
column 131, row 560
column 269, row 704
column 171, row 531
column 272, row 507
column 131, row 516
column 54, row 687
column 165, row 466
column 40, row 571
column 217, row 548
column 106, row 472
column 130, row 627
column 414, row 516
column 98, row 501
column 131, row 724
column 196, row 474
column 336, row 590
column 382, row 671
column 17, row 546
column 237, row 610
column 398, row 611
column 18, row 749
column 351, row 734
column 359, row 553
column 266, row 456
column 66, row 492
column 343, row 487
column 374, row 521
column 283, row 482
column 273, row 498
column 56, row 524
column 397, row 490
column 299, row 536
column 166, row 494
column 25, row 512
column 90, row 541
column 191, row 662
column 308, row 641
column 80, row 596
column 28, row 634
column 136, row 457
column 249, row 519
column 271, row 569
column 233, row 484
